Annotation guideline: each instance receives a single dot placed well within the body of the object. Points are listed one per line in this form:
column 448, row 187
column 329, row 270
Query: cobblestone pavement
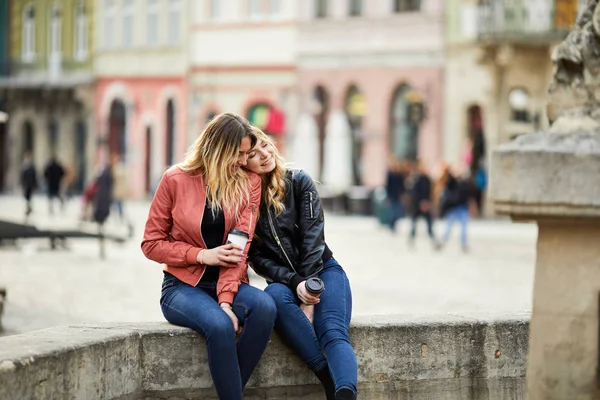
column 47, row 288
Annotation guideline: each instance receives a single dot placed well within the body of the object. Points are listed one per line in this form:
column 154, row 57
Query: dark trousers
column 230, row 363
column 425, row 215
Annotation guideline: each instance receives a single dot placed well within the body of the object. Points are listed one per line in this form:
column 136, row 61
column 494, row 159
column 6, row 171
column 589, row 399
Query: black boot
column 345, row 394
column 325, row 377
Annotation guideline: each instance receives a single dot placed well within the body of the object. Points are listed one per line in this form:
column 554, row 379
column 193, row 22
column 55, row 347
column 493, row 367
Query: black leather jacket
column 290, row 247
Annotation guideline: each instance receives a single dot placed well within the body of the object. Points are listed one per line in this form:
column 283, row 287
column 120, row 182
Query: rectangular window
column 152, row 23
column 356, row 8
column 320, row 8
column 81, row 32
column 28, row 53
column 174, row 22
column 109, row 23
column 128, row 23
column 215, row 10
column 254, row 9
column 275, row 8
column 401, row 6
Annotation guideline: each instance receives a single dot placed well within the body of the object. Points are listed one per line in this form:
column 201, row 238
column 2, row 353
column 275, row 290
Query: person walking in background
column 205, row 286
column 120, row 188
column 395, row 190
column 29, row 181
column 54, row 174
column 454, row 205
column 420, row 195
column 289, row 251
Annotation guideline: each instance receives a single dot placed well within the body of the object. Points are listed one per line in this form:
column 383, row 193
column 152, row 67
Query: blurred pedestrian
column 119, row 188
column 54, row 174
column 420, row 197
column 102, row 199
column 454, row 205
column 395, row 190
column 29, row 181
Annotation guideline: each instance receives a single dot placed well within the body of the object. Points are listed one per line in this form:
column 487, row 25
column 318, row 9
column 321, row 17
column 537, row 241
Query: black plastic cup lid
column 239, row 233
column 314, row 285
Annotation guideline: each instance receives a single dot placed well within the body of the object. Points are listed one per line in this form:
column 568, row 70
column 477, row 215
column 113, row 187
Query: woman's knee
column 280, row 293
column 219, row 327
column 264, row 306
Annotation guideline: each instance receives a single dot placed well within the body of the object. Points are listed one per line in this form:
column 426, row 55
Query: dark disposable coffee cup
column 314, row 286
column 239, row 238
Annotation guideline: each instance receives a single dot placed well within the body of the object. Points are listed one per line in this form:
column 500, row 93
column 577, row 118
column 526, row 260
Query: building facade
column 141, row 68
column 243, row 60
column 497, row 71
column 47, row 87
column 378, row 64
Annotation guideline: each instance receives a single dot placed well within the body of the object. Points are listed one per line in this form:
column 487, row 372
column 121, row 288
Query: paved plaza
column 48, row 288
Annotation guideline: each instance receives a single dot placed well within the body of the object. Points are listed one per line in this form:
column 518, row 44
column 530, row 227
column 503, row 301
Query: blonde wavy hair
column 214, row 155
column 273, row 183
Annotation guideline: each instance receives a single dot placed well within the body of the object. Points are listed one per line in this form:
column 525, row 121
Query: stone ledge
column 421, row 357
column 548, row 174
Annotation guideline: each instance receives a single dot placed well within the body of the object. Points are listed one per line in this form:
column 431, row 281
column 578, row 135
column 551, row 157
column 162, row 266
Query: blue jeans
column 460, row 214
column 328, row 342
column 230, row 364
column 396, row 211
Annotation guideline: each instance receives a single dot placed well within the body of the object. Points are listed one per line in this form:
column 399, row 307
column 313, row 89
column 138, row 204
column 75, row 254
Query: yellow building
column 48, row 93
column 497, row 72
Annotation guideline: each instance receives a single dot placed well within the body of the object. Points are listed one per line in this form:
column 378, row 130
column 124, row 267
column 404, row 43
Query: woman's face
column 242, row 157
column 261, row 159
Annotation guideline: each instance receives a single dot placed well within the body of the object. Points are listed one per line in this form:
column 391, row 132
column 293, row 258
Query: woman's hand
column 229, row 311
column 304, row 296
column 309, row 311
column 228, row 255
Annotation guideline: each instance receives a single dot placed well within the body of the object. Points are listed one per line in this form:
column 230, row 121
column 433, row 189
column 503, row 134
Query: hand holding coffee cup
column 227, row 255
column 309, row 292
column 238, row 238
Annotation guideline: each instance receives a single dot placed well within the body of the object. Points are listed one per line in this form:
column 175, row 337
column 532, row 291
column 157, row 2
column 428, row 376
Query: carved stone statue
column 574, row 94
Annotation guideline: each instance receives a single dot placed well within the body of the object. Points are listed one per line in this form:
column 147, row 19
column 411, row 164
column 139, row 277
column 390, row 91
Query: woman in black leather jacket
column 289, row 248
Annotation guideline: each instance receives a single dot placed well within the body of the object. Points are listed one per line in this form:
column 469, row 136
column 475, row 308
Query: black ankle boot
column 325, row 377
column 345, row 394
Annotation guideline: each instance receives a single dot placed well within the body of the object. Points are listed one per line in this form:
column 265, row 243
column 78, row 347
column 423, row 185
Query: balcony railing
column 527, row 21
column 43, row 71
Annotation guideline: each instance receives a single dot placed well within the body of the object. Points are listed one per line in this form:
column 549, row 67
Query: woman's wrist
column 200, row 257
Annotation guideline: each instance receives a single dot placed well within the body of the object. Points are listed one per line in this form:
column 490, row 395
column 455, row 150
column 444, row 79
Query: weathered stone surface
column 430, row 358
column 548, row 175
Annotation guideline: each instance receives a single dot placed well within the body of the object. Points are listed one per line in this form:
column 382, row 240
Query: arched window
column 321, row 113
column 81, row 32
column 406, row 116
column 355, row 108
column 116, row 129
column 519, row 102
column 170, row 134
column 28, row 32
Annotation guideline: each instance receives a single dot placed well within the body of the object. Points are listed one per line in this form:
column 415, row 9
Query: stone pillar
column 553, row 178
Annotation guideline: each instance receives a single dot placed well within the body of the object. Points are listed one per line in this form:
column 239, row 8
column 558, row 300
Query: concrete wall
column 402, row 357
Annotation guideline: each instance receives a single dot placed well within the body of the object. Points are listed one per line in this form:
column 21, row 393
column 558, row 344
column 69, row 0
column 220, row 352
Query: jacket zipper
column 311, row 205
column 202, row 238
column 279, row 241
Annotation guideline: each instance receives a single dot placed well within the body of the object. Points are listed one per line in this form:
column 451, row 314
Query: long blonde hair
column 214, row 154
column 273, row 183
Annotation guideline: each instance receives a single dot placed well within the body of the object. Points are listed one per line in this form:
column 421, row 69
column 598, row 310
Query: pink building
column 143, row 120
column 381, row 63
column 141, row 87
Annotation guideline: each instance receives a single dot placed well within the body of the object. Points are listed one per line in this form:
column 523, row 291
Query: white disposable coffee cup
column 239, row 238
